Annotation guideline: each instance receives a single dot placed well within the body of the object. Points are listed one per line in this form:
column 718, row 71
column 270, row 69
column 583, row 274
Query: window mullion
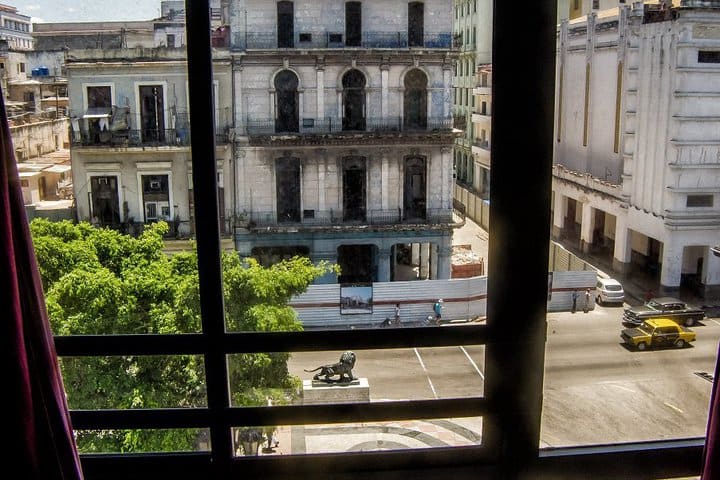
column 212, row 308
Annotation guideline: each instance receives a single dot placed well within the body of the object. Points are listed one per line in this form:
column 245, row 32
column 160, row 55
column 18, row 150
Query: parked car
column 658, row 332
column 665, row 307
column 608, row 290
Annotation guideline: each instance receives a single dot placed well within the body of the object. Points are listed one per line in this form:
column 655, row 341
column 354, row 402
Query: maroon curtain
column 711, row 455
column 39, row 437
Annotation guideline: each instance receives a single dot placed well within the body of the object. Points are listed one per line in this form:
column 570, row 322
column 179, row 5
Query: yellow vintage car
column 657, row 332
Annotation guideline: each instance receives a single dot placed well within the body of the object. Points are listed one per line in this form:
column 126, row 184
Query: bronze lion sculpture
column 343, row 369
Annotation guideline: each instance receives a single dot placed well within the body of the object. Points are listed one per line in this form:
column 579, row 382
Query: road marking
column 472, row 363
column 673, row 407
column 715, row 321
column 422, row 364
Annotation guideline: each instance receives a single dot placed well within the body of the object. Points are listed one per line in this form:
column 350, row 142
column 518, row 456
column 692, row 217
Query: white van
column 609, row 290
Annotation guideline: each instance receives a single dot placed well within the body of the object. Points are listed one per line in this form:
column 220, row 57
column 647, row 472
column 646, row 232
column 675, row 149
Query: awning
column 58, row 169
column 97, row 112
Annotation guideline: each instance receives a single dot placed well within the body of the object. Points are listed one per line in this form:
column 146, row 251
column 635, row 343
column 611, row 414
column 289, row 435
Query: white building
column 15, row 28
column 637, row 166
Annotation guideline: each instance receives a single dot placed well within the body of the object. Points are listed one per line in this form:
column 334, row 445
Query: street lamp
column 250, row 440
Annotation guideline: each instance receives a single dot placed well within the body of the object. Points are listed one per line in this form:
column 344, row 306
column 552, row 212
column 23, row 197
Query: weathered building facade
column 637, row 140
column 130, row 136
column 343, row 145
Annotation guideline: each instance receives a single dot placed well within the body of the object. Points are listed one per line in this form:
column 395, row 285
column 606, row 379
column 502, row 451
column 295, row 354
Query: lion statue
column 343, row 368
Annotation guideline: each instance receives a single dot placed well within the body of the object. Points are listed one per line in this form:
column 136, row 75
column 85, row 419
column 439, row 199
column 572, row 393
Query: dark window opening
column 305, row 37
column 353, row 24
column 287, row 182
column 699, row 201
column 353, row 100
column 285, row 25
column 104, row 200
column 335, row 37
column 152, row 118
column 415, row 99
column 416, row 24
column 156, row 197
column 357, row 263
column 99, row 97
column 414, row 194
column 286, row 88
column 705, row 56
column 354, row 189
column 269, row 256
column 170, row 40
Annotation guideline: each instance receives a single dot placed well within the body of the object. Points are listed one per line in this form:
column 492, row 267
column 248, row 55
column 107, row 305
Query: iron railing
column 325, row 39
column 335, row 125
column 314, row 218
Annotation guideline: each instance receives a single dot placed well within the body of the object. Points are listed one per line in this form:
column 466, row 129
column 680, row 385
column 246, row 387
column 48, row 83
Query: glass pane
column 134, row 381
column 143, row 441
column 358, row 437
column 608, row 377
column 359, row 376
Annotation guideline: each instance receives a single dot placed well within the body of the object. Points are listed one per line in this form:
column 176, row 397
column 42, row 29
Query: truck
column 665, row 307
column 659, row 332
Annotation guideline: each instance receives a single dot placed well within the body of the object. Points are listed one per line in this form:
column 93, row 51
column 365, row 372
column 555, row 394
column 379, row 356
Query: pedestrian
column 438, row 310
column 574, row 301
column 397, row 314
column 587, row 301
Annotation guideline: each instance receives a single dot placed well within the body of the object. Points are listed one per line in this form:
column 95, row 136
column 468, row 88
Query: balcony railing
column 322, row 39
column 310, row 126
column 320, row 218
column 174, row 137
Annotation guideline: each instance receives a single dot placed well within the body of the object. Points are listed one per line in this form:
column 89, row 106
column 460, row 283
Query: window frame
column 512, row 404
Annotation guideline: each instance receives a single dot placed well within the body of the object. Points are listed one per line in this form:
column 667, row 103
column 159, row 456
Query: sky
column 86, row 10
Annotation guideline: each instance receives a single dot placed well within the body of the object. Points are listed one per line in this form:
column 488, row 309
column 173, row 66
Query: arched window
column 353, row 83
column 415, row 101
column 286, row 102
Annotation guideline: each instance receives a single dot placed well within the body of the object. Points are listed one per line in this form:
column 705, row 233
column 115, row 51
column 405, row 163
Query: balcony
column 391, row 219
column 323, row 39
column 172, row 137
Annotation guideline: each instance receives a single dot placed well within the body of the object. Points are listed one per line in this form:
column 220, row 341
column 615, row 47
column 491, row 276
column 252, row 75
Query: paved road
column 596, row 390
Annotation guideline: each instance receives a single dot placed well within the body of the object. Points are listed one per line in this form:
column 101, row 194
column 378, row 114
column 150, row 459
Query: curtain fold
column 711, row 454
column 40, row 437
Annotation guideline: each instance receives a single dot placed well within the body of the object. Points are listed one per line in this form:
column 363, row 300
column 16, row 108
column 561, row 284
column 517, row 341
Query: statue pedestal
column 317, row 391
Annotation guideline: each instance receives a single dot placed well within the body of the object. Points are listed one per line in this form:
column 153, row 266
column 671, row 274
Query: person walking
column 437, row 308
column 574, row 301
column 587, row 301
column 397, row 314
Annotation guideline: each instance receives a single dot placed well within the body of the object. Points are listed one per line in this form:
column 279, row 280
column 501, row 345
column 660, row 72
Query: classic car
column 659, row 332
column 665, row 307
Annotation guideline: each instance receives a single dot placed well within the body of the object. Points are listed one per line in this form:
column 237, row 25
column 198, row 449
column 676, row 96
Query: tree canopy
column 99, row 281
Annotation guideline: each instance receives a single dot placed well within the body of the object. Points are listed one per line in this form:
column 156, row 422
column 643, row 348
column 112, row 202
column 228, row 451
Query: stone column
column 383, row 265
column 237, row 79
column 424, row 260
column 320, row 81
column 586, row 226
column 415, row 254
column 711, row 274
column 384, row 178
column 621, row 253
column 301, row 102
column 384, row 87
column 444, row 262
column 321, row 166
column 559, row 212
column 434, row 258
column 671, row 268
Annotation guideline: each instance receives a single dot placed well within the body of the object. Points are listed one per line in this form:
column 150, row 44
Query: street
column 596, row 390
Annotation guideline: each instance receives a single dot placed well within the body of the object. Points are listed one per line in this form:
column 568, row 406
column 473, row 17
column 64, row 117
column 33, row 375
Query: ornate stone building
column 343, row 145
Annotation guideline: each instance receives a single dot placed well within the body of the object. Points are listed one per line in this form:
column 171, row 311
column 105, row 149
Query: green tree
column 98, row 281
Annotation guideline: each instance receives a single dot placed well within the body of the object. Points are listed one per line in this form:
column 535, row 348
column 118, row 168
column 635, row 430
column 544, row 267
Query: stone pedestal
column 317, row 391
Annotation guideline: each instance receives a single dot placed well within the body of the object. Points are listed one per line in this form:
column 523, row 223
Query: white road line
column 715, row 321
column 432, row 387
column 673, row 407
column 472, row 363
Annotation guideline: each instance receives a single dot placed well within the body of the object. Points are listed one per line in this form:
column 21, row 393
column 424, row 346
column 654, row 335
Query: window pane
column 142, row 441
column 358, row 437
column 597, row 387
column 134, row 381
column 377, row 375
